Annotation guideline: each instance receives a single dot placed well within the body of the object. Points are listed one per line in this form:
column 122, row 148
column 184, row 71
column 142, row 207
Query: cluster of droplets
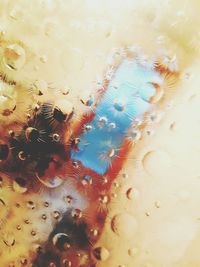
column 35, row 160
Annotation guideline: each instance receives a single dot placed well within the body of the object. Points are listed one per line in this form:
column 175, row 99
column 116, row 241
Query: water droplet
column 87, row 100
column 14, row 56
column 116, row 184
column 32, row 134
column 94, row 232
column 67, row 263
column 31, row 205
column 158, row 94
column 56, row 215
column 40, row 87
column 124, row 225
column 119, row 105
column 125, row 175
column 156, row 162
column 44, row 217
column 33, row 233
column 103, row 199
column 46, row 204
column 27, row 221
column 87, row 180
column 112, row 126
column 22, row 155
column 43, row 58
column 61, row 241
column 135, row 135
column 68, row 199
column 18, row 227
column 157, row 204
column 24, row 261
column 56, row 137
column 20, row 185
column 130, row 193
column 102, row 122
column 101, row 253
column 76, row 214
column 51, row 182
column 132, row 252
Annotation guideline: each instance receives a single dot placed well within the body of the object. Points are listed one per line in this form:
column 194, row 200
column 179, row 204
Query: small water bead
column 22, row 155
column 11, row 133
column 37, row 248
column 61, row 241
column 105, row 179
column 20, row 185
column 124, row 225
column 130, row 193
column 137, row 122
column 150, row 131
column 44, row 217
column 68, row 199
column 101, row 253
column 9, row 240
column 125, row 175
column 46, row 204
column 116, row 184
column 111, row 153
column 52, row 182
column 157, row 204
column 14, row 56
column 76, row 214
column 43, row 58
column 33, row 233
column 24, row 261
column 56, row 215
column 88, row 101
column 132, row 252
column 18, row 227
column 119, row 105
column 40, row 87
column 31, row 205
column 87, row 128
column 56, row 137
column 102, row 122
column 75, row 164
column 135, row 135
column 113, row 195
column 103, row 199
column 32, row 134
column 66, row 263
column 87, row 180
column 112, row 126
column 94, row 232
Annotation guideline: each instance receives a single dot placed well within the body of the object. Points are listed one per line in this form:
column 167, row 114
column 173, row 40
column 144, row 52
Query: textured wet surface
column 64, row 54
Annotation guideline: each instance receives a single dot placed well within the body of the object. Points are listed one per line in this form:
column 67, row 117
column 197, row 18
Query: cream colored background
column 68, row 46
